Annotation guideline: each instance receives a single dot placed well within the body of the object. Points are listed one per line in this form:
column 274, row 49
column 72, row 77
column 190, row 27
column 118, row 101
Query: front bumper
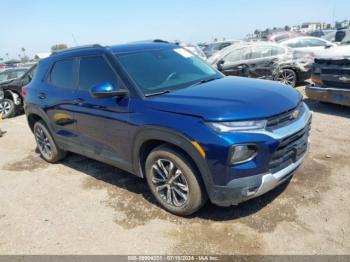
column 330, row 95
column 245, row 188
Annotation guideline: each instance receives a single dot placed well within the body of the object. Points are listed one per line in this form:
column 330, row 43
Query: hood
column 337, row 52
column 229, row 98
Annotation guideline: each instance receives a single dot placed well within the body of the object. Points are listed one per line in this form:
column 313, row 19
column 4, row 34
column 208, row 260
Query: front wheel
column 287, row 77
column 174, row 181
column 46, row 145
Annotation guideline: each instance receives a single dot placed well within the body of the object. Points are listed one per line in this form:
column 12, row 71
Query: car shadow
column 124, row 180
column 328, row 108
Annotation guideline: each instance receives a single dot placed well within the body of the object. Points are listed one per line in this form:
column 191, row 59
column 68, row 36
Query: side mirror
column 220, row 63
column 106, row 90
column 327, row 46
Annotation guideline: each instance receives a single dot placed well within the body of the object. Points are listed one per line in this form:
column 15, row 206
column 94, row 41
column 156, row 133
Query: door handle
column 78, row 101
column 42, row 96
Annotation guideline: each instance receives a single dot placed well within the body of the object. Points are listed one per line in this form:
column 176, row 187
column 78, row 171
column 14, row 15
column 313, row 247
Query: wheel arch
column 35, row 114
column 290, row 67
column 150, row 137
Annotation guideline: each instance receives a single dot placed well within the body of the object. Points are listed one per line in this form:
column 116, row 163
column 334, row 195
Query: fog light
column 242, row 153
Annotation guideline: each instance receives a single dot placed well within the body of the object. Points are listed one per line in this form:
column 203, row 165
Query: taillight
column 24, row 91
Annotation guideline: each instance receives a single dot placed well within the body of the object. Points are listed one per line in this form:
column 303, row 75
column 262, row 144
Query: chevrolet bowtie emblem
column 344, row 79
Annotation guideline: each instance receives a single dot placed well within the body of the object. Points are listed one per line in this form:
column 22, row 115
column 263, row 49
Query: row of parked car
column 291, row 60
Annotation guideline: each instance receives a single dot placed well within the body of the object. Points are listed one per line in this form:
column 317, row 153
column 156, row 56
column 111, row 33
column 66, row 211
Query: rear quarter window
column 62, row 73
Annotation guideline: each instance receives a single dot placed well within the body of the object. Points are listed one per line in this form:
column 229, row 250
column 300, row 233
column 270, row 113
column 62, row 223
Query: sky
column 36, row 25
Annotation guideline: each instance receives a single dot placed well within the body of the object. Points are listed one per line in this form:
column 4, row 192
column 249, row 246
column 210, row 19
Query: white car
column 195, row 49
column 308, row 44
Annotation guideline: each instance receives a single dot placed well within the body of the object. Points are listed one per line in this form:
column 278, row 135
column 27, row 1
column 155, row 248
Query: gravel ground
column 81, row 206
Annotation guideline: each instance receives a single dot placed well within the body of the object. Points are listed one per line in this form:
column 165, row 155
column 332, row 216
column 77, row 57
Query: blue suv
column 160, row 113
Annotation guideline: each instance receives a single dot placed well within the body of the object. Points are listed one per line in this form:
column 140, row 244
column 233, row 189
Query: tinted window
column 62, row 74
column 95, row 70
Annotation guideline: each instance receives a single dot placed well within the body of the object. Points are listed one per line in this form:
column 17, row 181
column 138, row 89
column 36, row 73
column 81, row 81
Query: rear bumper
column 331, row 95
column 243, row 189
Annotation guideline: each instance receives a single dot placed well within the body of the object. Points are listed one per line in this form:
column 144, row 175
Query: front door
column 102, row 123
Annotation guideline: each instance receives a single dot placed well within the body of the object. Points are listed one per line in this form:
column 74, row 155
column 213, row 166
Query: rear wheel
column 46, row 145
column 7, row 108
column 287, row 76
column 174, row 182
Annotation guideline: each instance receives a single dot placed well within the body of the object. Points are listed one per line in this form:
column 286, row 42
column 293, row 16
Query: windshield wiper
column 205, row 81
column 157, row 93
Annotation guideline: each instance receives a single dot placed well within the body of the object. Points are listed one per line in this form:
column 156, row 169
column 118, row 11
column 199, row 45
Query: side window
column 62, row 74
column 297, row 44
column 235, row 56
column 315, row 42
column 95, row 70
column 277, row 51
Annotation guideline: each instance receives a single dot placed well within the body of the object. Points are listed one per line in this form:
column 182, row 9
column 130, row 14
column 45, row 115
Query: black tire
column 7, row 108
column 189, row 179
column 287, row 76
column 45, row 143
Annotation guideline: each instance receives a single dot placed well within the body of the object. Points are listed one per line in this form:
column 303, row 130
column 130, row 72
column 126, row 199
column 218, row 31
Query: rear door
column 263, row 60
column 57, row 99
column 102, row 123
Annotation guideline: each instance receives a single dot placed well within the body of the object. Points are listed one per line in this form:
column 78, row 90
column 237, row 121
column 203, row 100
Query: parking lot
column 81, row 206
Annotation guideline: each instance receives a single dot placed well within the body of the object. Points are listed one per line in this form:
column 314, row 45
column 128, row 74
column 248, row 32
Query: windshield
column 166, row 69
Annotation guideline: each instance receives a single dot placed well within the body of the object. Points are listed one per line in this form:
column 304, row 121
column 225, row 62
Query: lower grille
column 290, row 149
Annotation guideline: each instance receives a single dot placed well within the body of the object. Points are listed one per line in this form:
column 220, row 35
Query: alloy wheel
column 286, row 77
column 169, row 182
column 5, row 108
column 43, row 143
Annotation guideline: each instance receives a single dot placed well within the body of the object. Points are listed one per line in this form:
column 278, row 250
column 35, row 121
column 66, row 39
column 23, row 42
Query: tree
column 256, row 32
column 7, row 55
column 58, row 47
column 287, row 28
column 215, row 39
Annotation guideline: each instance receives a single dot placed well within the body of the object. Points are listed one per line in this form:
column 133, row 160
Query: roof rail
column 76, row 48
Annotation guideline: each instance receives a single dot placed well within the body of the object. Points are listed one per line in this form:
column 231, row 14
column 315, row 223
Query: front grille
column 337, row 84
column 290, row 149
column 284, row 119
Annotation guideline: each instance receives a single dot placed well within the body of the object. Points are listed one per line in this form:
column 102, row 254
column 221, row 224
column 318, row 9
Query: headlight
column 242, row 153
column 237, row 126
